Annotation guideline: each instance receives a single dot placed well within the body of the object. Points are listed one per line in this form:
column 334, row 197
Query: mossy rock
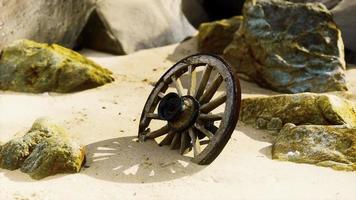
column 46, row 149
column 214, row 36
column 52, row 156
column 303, row 108
column 27, row 66
column 328, row 146
column 289, row 47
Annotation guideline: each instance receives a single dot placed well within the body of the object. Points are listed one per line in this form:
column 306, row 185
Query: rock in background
column 328, row 146
column 27, row 66
column 304, row 108
column 46, row 149
column 289, row 47
column 214, row 36
column 55, row 21
column 139, row 24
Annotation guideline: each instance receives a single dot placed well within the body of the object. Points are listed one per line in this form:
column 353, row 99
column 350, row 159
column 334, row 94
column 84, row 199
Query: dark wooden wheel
column 196, row 105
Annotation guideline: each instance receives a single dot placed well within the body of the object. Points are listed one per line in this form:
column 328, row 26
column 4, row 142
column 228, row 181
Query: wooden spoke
column 161, row 95
column 193, row 80
column 153, row 116
column 213, row 104
column 195, row 142
column 204, row 80
column 204, row 131
column 178, row 85
column 176, row 141
column 212, row 88
column 184, row 142
column 209, row 117
column 203, row 142
column 168, row 139
column 158, row 132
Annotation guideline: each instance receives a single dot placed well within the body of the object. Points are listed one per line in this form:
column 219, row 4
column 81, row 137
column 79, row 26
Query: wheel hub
column 180, row 112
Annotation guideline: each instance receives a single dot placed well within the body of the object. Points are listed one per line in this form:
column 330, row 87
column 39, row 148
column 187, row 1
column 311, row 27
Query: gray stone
column 328, row 146
column 27, row 66
column 289, row 47
column 345, row 17
column 54, row 21
column 140, row 24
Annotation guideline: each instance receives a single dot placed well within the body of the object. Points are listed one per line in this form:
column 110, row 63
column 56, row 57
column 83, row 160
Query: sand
column 105, row 119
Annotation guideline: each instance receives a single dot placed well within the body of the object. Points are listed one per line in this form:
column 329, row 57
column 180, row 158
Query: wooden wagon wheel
column 189, row 121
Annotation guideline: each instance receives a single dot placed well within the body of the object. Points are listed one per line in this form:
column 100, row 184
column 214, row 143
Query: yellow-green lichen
column 328, row 146
column 46, row 149
column 27, row 66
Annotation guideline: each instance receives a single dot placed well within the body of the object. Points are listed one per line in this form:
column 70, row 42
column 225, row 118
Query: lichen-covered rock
column 52, row 156
column 214, row 36
column 14, row 152
column 328, row 146
column 27, row 66
column 46, row 149
column 304, row 108
column 289, row 47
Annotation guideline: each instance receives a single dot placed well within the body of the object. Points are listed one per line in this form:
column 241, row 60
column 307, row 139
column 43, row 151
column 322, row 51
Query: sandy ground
column 106, row 120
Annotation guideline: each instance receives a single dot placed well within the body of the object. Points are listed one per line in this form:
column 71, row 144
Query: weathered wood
column 193, row 80
column 210, row 117
column 204, row 80
column 178, row 85
column 184, row 142
column 204, row 131
column 195, row 142
column 153, row 116
column 176, row 141
column 161, row 95
column 158, row 132
column 213, row 104
column 168, row 139
column 212, row 88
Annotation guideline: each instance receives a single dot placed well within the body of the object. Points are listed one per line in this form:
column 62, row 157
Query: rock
column 46, row 149
column 328, row 146
column 214, row 36
column 15, row 152
column 195, row 13
column 304, row 108
column 53, row 21
column 52, row 156
column 289, row 47
column 328, row 3
column 275, row 124
column 140, row 24
column 345, row 17
column 27, row 66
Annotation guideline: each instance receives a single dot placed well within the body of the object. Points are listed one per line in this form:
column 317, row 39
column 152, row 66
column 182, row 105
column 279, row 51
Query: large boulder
column 214, row 36
column 345, row 17
column 289, row 47
column 46, row 149
column 54, row 21
column 137, row 24
column 304, row 108
column 27, row 66
column 329, row 146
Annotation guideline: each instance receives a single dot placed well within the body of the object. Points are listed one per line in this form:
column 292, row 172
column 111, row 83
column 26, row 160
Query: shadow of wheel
column 125, row 160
